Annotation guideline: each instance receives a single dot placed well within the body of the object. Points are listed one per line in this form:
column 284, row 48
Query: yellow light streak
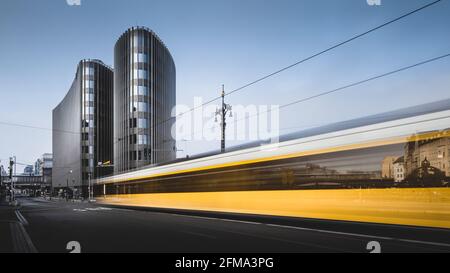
column 429, row 207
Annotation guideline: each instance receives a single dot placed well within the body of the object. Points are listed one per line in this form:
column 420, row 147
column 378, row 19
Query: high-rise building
column 144, row 96
column 83, row 128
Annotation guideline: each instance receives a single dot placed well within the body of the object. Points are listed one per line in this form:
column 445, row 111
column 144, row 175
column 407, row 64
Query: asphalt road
column 48, row 226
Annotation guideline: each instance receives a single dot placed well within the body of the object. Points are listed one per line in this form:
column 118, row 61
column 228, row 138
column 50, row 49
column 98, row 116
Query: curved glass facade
column 83, row 128
column 144, row 96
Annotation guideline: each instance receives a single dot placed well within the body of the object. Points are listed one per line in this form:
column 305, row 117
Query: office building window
column 89, row 84
column 140, row 58
column 133, row 139
column 142, row 123
column 143, row 139
column 132, row 122
column 139, row 74
column 142, row 107
column 140, row 90
column 89, row 71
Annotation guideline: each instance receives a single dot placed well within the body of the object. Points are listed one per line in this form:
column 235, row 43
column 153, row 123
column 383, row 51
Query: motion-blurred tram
column 389, row 168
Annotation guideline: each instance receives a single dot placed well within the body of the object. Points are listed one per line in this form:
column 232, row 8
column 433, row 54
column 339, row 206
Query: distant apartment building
column 399, row 169
column 435, row 149
column 83, row 128
column 144, row 96
column 387, row 167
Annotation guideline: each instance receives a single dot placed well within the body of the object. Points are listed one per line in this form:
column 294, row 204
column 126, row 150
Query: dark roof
column 400, row 160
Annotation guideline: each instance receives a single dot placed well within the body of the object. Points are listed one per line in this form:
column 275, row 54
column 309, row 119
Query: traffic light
column 11, row 163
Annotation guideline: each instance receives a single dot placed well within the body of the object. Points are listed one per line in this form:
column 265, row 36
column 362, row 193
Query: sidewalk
column 13, row 236
column 7, row 217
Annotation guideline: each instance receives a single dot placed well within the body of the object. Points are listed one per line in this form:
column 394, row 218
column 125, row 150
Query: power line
column 257, row 80
column 331, row 91
column 37, row 127
column 304, row 60
column 332, row 47
column 351, row 85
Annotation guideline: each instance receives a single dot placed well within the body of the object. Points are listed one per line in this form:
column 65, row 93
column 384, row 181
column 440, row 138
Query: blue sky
column 224, row 42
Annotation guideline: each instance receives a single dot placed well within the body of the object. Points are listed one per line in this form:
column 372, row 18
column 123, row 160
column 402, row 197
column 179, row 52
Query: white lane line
column 311, row 229
column 424, row 242
column 21, row 218
column 362, row 235
column 213, row 218
column 92, row 209
column 98, row 209
column 20, row 239
column 238, row 221
column 332, row 232
column 199, row 234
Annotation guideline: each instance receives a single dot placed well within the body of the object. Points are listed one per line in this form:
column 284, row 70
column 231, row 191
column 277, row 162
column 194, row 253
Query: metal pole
column 222, row 146
column 89, row 187
column 13, row 195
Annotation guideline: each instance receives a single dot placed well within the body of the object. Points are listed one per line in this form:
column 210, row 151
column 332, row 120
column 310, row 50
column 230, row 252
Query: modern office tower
column 83, row 129
column 144, row 95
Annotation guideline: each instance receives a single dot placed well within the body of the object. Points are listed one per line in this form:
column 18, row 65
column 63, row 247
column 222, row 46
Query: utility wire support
column 222, row 113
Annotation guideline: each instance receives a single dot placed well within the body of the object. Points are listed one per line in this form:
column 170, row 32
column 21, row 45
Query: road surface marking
column 199, row 234
column 362, row 235
column 311, row 229
column 97, row 209
column 21, row 218
column 238, row 221
column 20, row 239
column 92, row 209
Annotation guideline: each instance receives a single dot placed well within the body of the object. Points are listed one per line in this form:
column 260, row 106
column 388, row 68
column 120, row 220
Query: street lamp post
column 89, row 187
column 225, row 108
column 67, row 185
column 106, row 164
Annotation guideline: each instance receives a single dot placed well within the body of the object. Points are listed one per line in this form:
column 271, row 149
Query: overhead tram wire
column 37, row 127
column 350, row 85
column 262, row 78
column 336, row 89
column 341, row 88
column 302, row 61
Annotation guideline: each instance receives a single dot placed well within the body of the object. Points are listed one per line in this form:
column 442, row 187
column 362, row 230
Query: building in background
column 3, row 171
column 399, row 169
column 435, row 149
column 37, row 166
column 28, row 170
column 144, row 96
column 43, row 167
column 387, row 167
column 83, row 128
